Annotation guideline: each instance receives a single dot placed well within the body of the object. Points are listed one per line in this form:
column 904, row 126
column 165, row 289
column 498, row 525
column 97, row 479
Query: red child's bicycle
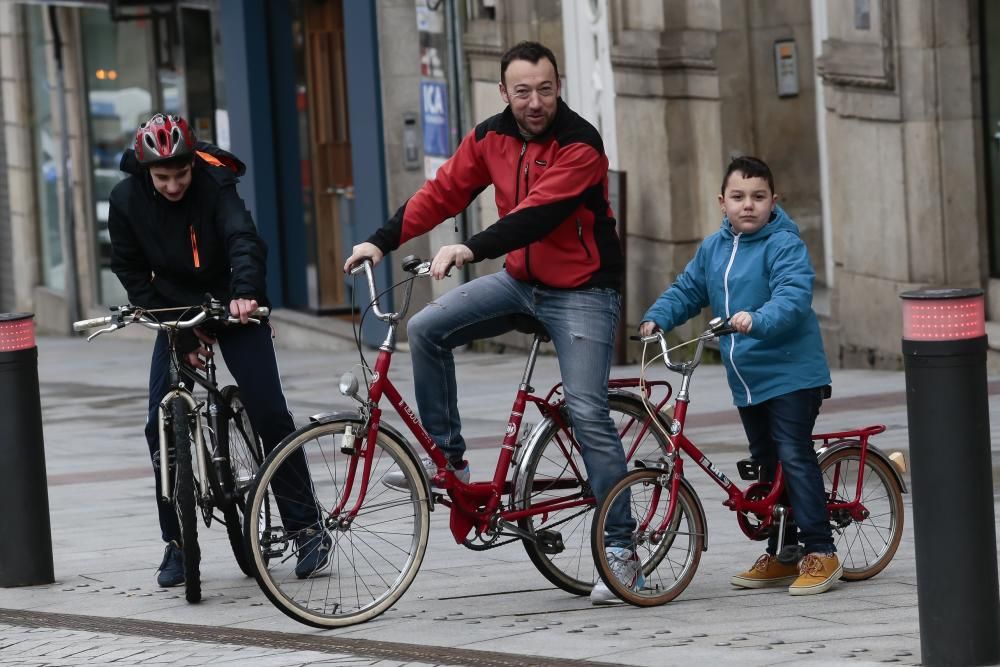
column 863, row 495
column 379, row 533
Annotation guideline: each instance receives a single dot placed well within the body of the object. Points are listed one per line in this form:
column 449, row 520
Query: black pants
column 249, row 356
column 779, row 429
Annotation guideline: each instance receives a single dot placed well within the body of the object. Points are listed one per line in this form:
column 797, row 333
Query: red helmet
column 163, row 138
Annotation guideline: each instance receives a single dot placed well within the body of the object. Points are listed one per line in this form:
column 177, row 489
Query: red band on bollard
column 940, row 315
column 17, row 332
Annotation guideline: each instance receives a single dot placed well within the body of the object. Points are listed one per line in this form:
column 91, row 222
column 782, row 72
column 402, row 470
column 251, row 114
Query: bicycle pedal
column 549, row 541
column 749, row 469
column 790, row 554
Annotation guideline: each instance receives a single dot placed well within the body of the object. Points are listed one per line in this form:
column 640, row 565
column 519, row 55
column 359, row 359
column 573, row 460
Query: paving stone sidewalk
column 106, row 547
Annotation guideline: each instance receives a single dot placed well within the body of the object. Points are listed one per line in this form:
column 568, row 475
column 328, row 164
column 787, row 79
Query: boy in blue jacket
column 755, row 270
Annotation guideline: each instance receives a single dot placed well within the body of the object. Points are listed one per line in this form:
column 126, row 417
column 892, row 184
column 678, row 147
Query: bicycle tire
column 864, row 547
column 374, row 559
column 185, row 498
column 573, row 569
column 669, row 559
column 243, row 455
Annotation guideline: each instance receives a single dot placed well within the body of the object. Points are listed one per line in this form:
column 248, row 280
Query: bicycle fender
column 824, row 452
column 390, row 431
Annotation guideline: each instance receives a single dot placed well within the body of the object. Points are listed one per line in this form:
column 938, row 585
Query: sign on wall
column 434, row 117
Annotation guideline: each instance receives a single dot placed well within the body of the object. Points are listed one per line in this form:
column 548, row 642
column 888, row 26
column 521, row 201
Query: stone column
column 670, row 139
column 906, row 186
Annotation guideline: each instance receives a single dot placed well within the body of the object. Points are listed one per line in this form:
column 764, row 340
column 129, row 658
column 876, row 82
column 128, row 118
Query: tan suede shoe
column 767, row 571
column 817, row 572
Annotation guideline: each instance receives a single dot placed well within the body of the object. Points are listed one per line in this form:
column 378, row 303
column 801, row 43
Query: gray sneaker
column 627, row 569
column 396, row 480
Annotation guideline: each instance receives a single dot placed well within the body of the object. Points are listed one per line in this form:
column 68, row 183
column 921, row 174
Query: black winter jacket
column 169, row 254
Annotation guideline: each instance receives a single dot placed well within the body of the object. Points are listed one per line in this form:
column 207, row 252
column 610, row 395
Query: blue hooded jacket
column 767, row 274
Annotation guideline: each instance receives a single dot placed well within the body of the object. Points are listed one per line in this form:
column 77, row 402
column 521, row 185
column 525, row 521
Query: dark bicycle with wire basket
column 863, row 489
column 380, row 529
column 212, row 449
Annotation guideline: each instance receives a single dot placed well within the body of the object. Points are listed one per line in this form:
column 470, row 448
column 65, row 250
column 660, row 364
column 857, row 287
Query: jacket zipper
column 579, row 233
column 517, row 175
column 517, row 199
column 732, row 339
column 194, row 248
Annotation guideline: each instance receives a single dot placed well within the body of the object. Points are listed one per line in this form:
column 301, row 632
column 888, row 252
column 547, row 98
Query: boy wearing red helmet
column 179, row 230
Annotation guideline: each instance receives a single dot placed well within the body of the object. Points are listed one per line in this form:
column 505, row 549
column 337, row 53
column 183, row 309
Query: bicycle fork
column 197, row 439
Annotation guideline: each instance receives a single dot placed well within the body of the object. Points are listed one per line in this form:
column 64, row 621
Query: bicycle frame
column 474, row 505
column 738, row 499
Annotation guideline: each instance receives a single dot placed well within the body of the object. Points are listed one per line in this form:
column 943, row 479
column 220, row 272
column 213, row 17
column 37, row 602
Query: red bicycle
column 379, row 533
column 863, row 493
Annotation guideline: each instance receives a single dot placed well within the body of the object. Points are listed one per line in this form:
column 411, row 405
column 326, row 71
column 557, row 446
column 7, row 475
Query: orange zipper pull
column 194, row 248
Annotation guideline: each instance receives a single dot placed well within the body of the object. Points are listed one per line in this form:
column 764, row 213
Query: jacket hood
column 205, row 153
column 779, row 222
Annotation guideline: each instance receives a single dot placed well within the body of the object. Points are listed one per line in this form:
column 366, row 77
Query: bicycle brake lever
column 107, row 329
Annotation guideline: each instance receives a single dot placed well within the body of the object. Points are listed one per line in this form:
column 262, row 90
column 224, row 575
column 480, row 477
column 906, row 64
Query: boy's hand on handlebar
column 360, row 253
column 742, row 322
column 448, row 256
column 648, row 328
column 242, row 308
column 195, row 358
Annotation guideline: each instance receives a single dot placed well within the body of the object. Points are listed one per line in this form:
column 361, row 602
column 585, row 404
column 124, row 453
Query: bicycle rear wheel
column 185, row 497
column 375, row 554
column 864, row 547
column 668, row 547
column 242, row 458
column 554, row 470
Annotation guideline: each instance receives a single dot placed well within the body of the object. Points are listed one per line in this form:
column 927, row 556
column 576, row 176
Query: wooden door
column 330, row 144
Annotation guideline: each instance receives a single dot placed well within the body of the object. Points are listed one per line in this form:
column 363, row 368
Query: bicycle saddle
column 529, row 325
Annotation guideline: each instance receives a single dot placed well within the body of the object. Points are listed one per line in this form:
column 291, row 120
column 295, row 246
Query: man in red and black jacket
column 179, row 231
column 563, row 267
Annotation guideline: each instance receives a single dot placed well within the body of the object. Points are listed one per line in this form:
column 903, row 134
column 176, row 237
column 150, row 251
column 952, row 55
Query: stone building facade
column 878, row 117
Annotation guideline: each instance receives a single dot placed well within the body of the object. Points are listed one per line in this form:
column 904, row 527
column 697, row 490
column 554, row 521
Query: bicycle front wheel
column 554, row 470
column 865, row 546
column 185, row 497
column 242, row 459
column 668, row 546
column 375, row 551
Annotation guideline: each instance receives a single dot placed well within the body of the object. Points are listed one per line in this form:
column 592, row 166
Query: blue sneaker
column 627, row 569
column 172, row 567
column 313, row 548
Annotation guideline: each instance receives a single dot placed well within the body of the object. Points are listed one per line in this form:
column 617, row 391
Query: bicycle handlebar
column 126, row 315
column 411, row 264
column 717, row 327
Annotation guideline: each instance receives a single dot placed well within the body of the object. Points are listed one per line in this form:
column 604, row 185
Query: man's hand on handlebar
column 196, row 357
column 448, row 256
column 242, row 308
column 742, row 322
column 360, row 253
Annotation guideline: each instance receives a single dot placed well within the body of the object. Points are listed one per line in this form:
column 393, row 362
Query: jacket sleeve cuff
column 480, row 250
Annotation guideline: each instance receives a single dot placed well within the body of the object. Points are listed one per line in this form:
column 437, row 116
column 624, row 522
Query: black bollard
column 944, row 352
column 26, row 539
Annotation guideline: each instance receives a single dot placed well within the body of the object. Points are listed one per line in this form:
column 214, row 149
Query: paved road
column 465, row 608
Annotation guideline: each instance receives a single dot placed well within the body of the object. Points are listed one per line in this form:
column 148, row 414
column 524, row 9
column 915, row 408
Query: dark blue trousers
column 249, row 356
column 780, row 429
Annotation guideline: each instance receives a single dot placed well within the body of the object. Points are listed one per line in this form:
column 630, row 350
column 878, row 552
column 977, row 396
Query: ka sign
column 434, row 112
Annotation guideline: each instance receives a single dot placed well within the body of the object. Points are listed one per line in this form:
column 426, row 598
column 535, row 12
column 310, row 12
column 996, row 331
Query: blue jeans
column 249, row 355
column 780, row 429
column 582, row 326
